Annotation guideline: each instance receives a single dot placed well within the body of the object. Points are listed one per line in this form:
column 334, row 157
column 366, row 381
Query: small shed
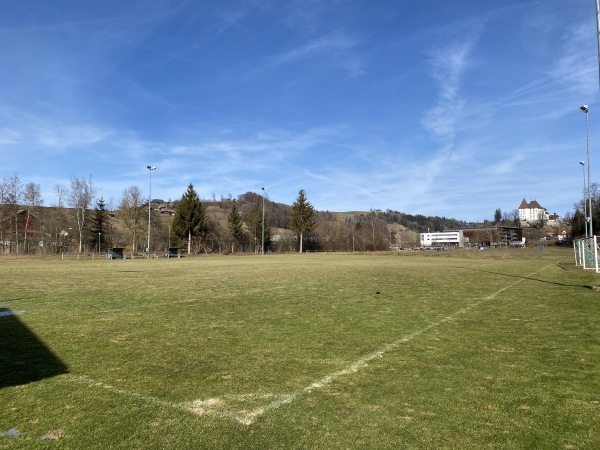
column 172, row 252
column 115, row 253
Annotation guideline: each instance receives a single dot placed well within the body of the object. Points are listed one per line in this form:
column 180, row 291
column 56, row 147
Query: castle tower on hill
column 532, row 212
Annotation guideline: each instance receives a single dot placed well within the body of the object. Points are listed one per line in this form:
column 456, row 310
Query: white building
column 445, row 238
column 532, row 212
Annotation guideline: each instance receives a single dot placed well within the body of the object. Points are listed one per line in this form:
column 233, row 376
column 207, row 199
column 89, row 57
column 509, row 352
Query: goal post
column 586, row 253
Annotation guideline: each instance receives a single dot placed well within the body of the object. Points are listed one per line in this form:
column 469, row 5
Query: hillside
column 55, row 229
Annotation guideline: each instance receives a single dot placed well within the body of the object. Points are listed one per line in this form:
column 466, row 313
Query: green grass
column 303, row 351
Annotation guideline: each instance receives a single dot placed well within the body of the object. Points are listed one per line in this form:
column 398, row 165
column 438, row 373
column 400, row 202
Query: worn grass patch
column 301, row 351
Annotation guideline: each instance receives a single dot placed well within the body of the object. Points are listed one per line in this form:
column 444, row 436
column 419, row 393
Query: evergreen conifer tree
column 234, row 221
column 302, row 217
column 99, row 238
column 189, row 217
column 497, row 216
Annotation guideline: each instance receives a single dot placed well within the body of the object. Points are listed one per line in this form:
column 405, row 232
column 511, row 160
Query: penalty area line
column 184, row 406
column 365, row 360
column 228, row 406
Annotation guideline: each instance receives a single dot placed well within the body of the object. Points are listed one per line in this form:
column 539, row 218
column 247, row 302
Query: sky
column 429, row 107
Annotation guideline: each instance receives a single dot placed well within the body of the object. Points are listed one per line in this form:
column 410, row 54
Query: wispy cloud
column 10, row 136
column 334, row 42
column 567, row 63
column 337, row 49
column 447, row 68
column 578, row 61
column 47, row 133
column 332, row 51
column 309, row 17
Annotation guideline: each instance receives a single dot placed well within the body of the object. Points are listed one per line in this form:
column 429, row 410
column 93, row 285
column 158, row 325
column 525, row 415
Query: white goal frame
column 586, row 253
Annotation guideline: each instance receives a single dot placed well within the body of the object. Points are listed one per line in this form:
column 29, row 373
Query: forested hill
column 278, row 215
column 421, row 224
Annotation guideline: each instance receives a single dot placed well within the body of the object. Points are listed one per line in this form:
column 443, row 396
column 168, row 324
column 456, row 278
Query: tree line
column 577, row 219
column 250, row 223
column 83, row 223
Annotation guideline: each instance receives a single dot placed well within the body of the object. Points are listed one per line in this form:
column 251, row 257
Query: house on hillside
column 165, row 209
column 532, row 213
column 553, row 220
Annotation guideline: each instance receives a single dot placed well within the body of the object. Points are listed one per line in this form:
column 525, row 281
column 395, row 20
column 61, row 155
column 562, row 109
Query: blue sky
column 430, row 107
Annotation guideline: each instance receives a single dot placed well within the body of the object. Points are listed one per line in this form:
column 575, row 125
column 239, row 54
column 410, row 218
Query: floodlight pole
column 262, row 245
column 598, row 33
column 584, row 198
column 150, row 168
column 586, row 110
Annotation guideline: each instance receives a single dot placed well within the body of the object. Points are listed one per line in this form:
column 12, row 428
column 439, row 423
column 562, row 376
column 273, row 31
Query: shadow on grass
column 524, row 277
column 23, row 357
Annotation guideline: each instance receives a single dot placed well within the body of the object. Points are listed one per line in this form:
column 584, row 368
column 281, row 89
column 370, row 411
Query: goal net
column 586, row 253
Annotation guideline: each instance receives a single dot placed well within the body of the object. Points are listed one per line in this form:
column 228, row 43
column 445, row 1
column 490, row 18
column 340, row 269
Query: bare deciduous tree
column 3, row 190
column 132, row 213
column 511, row 218
column 32, row 197
column 61, row 193
column 13, row 192
column 80, row 198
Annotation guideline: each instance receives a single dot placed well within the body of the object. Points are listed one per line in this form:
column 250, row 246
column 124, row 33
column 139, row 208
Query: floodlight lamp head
column 582, row 163
column 150, row 167
column 584, row 108
column 264, row 188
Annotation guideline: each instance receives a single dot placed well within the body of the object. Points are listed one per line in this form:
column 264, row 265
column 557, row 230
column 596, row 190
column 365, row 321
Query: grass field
column 300, row 351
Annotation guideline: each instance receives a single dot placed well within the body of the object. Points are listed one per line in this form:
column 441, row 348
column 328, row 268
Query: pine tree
column 189, row 217
column 234, row 221
column 497, row 216
column 302, row 217
column 99, row 238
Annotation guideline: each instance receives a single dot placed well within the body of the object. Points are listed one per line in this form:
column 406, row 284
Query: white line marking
column 89, row 382
column 225, row 406
column 10, row 313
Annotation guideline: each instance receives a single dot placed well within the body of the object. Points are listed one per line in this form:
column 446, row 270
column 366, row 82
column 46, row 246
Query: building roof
column 533, row 204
